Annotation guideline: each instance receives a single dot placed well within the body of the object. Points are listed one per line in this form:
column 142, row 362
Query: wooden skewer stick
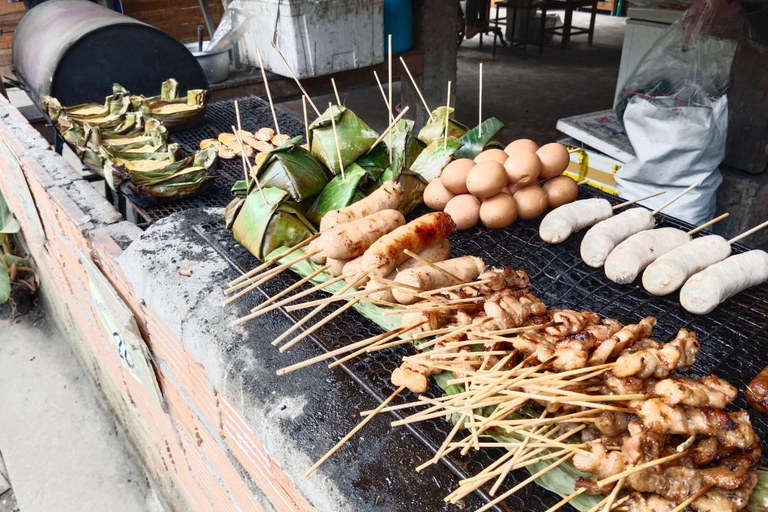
column 447, row 115
column 395, row 284
column 418, row 91
column 640, row 467
column 698, row 494
column 240, row 141
column 306, row 119
column 708, row 223
column 612, row 497
column 400, row 331
column 336, row 91
column 252, row 285
column 260, row 310
column 637, row 200
column 333, row 353
column 748, row 232
column 388, row 130
column 480, row 103
column 271, row 272
column 426, row 294
column 269, row 95
column 274, row 260
column 560, row 504
column 247, row 161
column 526, row 328
column 319, row 324
column 389, row 91
column 384, row 96
column 434, row 266
column 295, row 78
column 336, row 138
column 353, row 431
column 678, row 196
column 312, row 313
column 334, row 298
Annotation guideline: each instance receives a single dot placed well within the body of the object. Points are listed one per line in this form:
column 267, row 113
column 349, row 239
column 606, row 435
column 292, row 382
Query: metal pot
column 215, row 64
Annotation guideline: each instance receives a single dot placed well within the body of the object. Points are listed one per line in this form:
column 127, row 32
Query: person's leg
column 472, row 18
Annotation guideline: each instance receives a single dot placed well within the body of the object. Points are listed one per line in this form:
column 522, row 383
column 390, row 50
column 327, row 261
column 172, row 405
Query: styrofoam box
column 317, row 37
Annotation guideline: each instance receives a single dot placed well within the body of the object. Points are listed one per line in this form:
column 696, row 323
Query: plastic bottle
column 398, row 21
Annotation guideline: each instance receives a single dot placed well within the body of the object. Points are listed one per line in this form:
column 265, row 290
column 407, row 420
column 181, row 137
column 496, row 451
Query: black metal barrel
column 74, row 50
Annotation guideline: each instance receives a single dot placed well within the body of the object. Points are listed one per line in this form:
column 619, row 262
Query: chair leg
column 592, row 23
column 543, row 30
column 567, row 22
column 514, row 24
column 496, row 28
column 527, row 30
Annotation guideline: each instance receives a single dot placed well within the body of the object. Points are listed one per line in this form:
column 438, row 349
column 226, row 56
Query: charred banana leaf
column 292, row 168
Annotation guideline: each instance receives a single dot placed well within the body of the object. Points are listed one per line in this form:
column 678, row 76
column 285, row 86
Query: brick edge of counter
column 181, row 442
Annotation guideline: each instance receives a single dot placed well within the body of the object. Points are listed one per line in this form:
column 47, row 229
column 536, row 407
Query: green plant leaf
column 8, row 223
column 293, row 169
column 5, row 285
column 758, row 501
column 431, row 162
column 339, row 192
column 10, row 259
column 354, row 135
column 435, row 129
column 474, row 144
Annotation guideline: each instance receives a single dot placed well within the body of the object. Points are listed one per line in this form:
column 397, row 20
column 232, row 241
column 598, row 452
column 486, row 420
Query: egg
column 498, row 211
column 512, row 189
column 486, row 179
column 526, row 145
column 531, row 202
column 454, row 177
column 561, row 190
column 464, row 209
column 495, row 154
column 435, row 195
column 554, row 159
column 523, row 168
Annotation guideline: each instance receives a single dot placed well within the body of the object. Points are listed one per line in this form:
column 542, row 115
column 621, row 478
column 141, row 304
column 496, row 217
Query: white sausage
column 352, row 239
column 671, row 270
column 336, row 266
column 631, row 256
column 560, row 223
column 386, row 197
column 704, row 291
column 603, row 237
column 466, row 268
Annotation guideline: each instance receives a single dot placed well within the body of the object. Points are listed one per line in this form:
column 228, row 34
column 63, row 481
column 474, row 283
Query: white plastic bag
column 676, row 146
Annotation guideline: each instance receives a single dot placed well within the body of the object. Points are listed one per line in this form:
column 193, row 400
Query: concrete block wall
column 195, row 444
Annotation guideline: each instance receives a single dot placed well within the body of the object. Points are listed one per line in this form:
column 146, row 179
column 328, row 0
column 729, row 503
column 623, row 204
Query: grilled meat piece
column 757, row 391
column 621, row 340
column 708, row 391
column 648, row 358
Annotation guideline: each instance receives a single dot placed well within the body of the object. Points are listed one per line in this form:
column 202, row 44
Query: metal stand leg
column 527, row 30
column 592, row 23
column 567, row 25
column 543, row 30
column 514, row 23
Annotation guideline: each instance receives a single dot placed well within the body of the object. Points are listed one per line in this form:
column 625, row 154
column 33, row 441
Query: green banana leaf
column 204, row 159
column 183, row 183
column 431, row 162
column 8, row 223
column 150, row 132
column 435, row 129
column 5, row 285
column 474, row 144
column 232, row 210
column 374, row 163
column 339, row 192
column 292, row 168
column 758, row 501
column 355, row 138
column 261, row 227
column 414, row 192
column 239, row 189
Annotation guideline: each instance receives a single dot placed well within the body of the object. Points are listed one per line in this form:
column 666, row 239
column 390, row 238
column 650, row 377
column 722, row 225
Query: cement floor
column 61, row 449
column 528, row 94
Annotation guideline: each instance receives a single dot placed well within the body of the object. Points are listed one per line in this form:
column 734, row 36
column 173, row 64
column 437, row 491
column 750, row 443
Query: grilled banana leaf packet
column 435, row 128
column 354, row 135
column 176, row 112
column 292, row 168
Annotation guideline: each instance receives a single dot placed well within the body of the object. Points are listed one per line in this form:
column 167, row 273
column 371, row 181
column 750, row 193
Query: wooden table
column 568, row 30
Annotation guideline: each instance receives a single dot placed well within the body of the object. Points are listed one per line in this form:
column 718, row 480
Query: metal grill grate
column 734, row 337
column 220, row 117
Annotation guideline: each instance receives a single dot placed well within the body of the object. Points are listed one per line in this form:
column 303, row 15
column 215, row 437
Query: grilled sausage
column 757, row 391
column 466, row 268
column 704, row 291
column 336, row 266
column 386, row 197
column 386, row 253
column 631, row 256
column 351, row 239
column 560, row 223
column 671, row 270
column 604, row 236
column 434, row 253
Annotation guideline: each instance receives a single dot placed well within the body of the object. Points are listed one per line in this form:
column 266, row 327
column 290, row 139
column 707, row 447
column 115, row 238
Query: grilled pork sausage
column 466, row 268
column 352, row 239
column 560, row 223
column 386, row 197
column 604, row 236
column 671, row 270
column 631, row 256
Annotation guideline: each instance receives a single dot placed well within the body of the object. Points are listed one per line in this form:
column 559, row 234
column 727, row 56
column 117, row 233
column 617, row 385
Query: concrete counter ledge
column 215, row 428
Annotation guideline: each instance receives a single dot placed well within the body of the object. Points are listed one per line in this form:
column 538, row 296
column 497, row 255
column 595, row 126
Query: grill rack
column 561, row 280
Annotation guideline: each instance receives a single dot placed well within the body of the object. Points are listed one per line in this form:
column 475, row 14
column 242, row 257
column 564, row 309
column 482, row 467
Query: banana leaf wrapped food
column 435, row 128
column 292, row 168
column 354, row 135
column 108, row 114
column 263, row 226
column 174, row 111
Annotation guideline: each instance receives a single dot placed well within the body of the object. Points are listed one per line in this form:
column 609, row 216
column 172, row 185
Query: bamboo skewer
column 395, row 284
column 295, row 78
column 480, row 103
column 334, row 298
column 640, row 467
column 389, row 91
column 399, row 332
column 247, row 162
column 698, row 494
column 434, row 266
column 274, row 260
column 708, row 223
column 306, row 119
column 336, row 92
column 748, row 232
column 560, row 504
column 336, row 138
column 319, row 324
column 384, row 96
column 672, row 200
column 426, row 294
column 638, row 199
column 447, row 115
column 387, row 131
column 353, row 432
column 240, row 141
column 418, row 91
column 256, row 280
column 269, row 95
column 526, row 328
